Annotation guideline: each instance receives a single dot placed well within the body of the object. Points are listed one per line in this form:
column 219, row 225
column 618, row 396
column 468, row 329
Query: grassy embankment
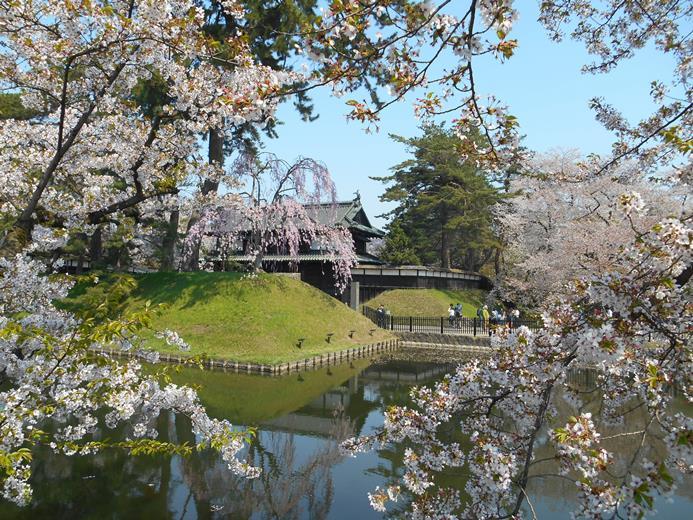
column 428, row 302
column 226, row 316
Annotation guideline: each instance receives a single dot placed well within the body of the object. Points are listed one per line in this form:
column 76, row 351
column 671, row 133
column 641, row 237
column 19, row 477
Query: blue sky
column 542, row 85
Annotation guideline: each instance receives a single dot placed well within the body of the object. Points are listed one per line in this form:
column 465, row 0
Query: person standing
column 494, row 317
column 380, row 313
column 485, row 318
column 515, row 318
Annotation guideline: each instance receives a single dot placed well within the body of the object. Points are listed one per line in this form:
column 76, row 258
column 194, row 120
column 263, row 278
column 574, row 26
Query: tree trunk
column 95, row 247
column 169, row 243
column 216, row 156
column 80, row 261
column 497, row 261
column 445, row 248
column 82, row 241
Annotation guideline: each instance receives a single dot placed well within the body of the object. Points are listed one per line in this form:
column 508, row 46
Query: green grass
column 428, row 302
column 226, row 316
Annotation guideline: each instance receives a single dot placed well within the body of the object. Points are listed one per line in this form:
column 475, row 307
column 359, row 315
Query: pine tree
column 444, row 202
column 398, row 249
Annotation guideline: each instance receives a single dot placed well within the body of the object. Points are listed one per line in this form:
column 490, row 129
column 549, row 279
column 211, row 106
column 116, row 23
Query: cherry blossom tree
column 561, row 225
column 277, row 209
column 89, row 151
column 627, row 315
column 94, row 152
column 633, row 325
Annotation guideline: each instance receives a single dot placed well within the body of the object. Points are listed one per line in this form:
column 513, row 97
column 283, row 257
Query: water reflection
column 551, row 496
column 301, row 420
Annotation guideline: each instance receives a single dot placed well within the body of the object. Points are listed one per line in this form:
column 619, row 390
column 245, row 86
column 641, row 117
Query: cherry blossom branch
column 24, row 220
column 633, row 149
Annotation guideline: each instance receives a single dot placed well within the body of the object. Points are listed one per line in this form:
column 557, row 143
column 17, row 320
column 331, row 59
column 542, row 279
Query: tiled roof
column 345, row 213
column 349, row 214
column 302, row 257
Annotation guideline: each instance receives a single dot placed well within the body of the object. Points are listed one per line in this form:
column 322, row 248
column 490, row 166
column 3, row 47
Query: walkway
column 473, row 327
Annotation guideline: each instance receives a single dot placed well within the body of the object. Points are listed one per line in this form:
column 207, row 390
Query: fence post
column 475, row 327
column 441, row 325
column 411, row 324
column 392, row 322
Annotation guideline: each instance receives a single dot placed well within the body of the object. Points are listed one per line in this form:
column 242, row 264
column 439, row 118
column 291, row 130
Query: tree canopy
column 444, row 203
column 398, row 248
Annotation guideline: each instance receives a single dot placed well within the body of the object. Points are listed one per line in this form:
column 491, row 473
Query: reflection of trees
column 297, row 479
column 93, row 486
column 395, row 392
column 545, row 482
column 291, row 485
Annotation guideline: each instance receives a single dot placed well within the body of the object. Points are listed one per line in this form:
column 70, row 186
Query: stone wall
column 315, row 362
column 444, row 339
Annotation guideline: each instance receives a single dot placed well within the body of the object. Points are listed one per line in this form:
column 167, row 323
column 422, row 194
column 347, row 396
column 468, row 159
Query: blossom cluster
column 97, row 150
column 56, row 386
column 277, row 212
column 558, row 209
column 632, row 325
column 173, row 338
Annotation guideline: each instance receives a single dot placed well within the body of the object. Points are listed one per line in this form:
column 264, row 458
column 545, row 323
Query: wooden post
column 441, row 325
column 411, row 324
column 474, row 326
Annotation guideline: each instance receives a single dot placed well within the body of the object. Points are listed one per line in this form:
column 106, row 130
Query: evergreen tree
column 444, row 202
column 398, row 248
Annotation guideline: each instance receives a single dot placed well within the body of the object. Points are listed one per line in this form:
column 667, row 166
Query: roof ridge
column 336, row 203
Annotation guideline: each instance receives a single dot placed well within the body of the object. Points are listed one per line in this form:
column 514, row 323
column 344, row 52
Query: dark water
column 300, row 420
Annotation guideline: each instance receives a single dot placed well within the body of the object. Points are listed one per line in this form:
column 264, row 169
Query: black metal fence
column 444, row 325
